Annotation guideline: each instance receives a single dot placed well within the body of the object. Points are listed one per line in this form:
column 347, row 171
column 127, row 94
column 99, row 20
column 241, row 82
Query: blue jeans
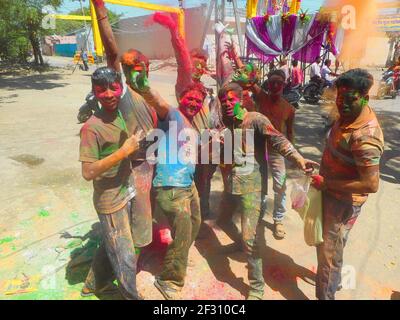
column 338, row 219
column 278, row 171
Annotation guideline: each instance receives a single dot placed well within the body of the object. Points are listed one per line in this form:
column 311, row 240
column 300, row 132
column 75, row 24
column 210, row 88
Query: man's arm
column 289, row 127
column 107, row 35
column 368, row 182
column 182, row 54
column 91, row 170
column 152, row 97
column 282, row 145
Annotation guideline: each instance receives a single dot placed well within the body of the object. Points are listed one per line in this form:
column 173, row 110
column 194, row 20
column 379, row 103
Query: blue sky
column 69, row 5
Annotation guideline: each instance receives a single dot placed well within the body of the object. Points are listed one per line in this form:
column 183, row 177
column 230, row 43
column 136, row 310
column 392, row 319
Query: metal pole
column 86, row 31
column 238, row 27
column 207, row 24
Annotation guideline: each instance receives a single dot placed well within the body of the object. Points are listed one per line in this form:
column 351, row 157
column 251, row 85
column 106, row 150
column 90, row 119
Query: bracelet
column 102, row 18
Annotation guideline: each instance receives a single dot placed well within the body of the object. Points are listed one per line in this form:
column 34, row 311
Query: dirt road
column 48, row 227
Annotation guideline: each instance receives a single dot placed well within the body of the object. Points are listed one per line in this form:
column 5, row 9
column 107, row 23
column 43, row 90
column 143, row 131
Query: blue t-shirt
column 177, row 152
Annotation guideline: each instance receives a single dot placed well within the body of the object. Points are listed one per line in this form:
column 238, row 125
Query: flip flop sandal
column 108, row 289
column 167, row 291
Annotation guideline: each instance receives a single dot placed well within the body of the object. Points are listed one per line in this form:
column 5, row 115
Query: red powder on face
column 108, row 96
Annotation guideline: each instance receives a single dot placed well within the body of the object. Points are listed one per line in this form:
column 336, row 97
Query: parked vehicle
column 313, row 91
column 293, row 95
column 88, row 108
column 387, row 87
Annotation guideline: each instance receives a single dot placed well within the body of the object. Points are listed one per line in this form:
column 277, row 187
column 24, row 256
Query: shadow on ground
column 32, row 82
column 81, row 258
column 390, row 162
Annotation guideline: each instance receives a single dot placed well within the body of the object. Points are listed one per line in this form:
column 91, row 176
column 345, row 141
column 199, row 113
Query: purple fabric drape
column 313, row 48
column 253, row 49
column 262, row 31
column 288, row 27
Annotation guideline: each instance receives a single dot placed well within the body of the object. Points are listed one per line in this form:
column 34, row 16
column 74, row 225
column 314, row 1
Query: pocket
column 180, row 193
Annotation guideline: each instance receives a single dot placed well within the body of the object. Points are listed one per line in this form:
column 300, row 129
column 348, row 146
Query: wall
column 154, row 40
column 65, row 50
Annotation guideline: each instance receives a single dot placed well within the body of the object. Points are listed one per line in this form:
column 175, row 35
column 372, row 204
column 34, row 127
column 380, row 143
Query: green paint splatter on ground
column 13, row 248
column 74, row 215
column 26, row 223
column 74, row 243
column 6, row 240
column 43, row 213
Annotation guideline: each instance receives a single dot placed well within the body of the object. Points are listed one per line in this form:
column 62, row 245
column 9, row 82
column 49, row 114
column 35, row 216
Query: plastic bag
column 308, row 203
column 300, row 186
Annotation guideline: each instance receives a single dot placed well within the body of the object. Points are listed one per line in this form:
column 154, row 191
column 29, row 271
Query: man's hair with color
column 196, row 86
column 357, row 79
column 232, row 86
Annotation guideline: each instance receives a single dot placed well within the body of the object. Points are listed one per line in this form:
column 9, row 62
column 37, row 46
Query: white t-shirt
column 315, row 70
column 325, row 73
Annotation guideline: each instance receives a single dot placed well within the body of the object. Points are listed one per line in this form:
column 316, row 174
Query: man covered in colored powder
column 281, row 114
column 176, row 194
column 244, row 182
column 104, row 151
column 349, row 172
column 192, row 66
column 121, row 189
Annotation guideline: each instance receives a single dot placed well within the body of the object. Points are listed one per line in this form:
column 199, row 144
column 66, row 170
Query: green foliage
column 21, row 28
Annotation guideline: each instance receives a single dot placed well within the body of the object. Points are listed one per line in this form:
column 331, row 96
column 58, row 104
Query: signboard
column 388, row 23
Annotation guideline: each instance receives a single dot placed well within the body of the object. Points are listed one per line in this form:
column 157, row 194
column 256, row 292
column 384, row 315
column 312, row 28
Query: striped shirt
column 359, row 144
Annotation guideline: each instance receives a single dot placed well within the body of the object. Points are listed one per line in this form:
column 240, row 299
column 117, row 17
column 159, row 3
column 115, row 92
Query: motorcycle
column 88, row 108
column 387, row 85
column 293, row 95
column 313, row 90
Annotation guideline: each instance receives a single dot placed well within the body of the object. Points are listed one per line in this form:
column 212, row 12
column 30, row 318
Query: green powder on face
column 43, row 213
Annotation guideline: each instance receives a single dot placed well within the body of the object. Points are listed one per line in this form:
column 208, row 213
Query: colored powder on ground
column 74, row 215
column 43, row 213
column 74, row 243
column 6, row 240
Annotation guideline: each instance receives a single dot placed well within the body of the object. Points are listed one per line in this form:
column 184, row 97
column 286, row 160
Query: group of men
column 128, row 187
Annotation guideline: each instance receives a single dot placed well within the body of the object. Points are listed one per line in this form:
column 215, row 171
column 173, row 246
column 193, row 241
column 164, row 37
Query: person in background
column 84, row 58
column 285, row 68
column 327, row 73
column 315, row 71
column 296, row 74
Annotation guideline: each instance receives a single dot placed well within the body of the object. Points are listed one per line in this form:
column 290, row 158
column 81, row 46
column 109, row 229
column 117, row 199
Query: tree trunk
column 34, row 49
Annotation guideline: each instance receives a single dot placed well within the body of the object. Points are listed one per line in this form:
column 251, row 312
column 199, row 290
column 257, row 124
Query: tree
column 21, row 23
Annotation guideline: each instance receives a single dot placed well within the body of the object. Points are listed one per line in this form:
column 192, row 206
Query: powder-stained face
column 246, row 76
column 191, row 103
column 350, row 102
column 276, row 85
column 109, row 95
column 199, row 68
column 228, row 103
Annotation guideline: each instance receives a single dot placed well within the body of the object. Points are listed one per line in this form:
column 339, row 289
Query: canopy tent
column 298, row 35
